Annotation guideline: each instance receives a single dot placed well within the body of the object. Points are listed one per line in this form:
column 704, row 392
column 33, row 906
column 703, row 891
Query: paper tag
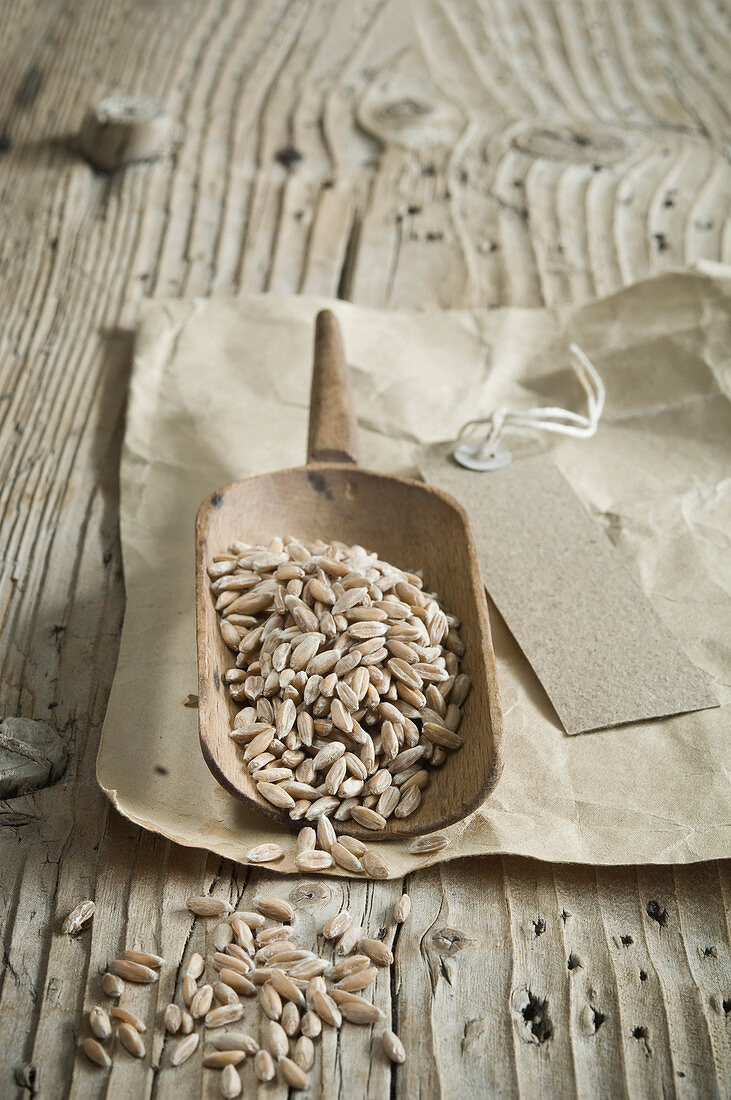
column 582, row 621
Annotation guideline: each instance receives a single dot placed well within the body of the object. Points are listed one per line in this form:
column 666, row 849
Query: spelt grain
column 127, row 1017
column 357, row 847
column 79, row 918
column 270, row 1001
column 409, row 802
column 393, row 1047
column 265, row 936
column 326, row 835
column 238, row 961
column 277, row 1039
column 306, row 840
column 272, row 948
column 243, row 936
column 349, row 965
column 304, row 1053
column 112, row 985
column 291, row 1018
column 360, row 1012
column 311, row 1025
column 388, row 802
column 349, row 941
column 402, row 908
column 286, row 988
column 183, row 1050
column 315, row 860
column 99, row 1022
column 234, row 1040
column 326, row 1009
column 374, row 864
column 368, row 818
column 144, row 957
column 230, row 1083
column 276, row 908
column 133, row 972
column 172, row 1019
column 345, row 858
column 237, row 981
column 377, row 951
column 96, row 1053
column 201, row 1002
column 224, row 1014
column 225, row 994
column 217, row 1059
column 358, row 979
column 315, row 985
column 131, row 1040
column 253, row 920
column 264, row 853
column 223, row 935
column 208, row 906
column 334, row 928
column 264, row 1065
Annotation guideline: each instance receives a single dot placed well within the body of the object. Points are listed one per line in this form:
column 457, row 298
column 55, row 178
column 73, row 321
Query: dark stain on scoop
column 319, row 484
column 216, row 500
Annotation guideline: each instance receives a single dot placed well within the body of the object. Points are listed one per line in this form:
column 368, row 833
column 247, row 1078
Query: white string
column 548, row 418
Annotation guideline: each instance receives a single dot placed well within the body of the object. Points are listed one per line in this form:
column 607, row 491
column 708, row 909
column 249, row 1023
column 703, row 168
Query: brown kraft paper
column 220, row 391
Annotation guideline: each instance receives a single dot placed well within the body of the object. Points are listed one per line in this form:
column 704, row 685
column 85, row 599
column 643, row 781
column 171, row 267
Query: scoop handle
column 333, row 432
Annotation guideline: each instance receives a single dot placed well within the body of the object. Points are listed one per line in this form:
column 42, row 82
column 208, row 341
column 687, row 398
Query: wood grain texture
column 430, row 155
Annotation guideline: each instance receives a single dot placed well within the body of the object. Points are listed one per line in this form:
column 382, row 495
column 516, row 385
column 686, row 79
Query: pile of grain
column 347, row 674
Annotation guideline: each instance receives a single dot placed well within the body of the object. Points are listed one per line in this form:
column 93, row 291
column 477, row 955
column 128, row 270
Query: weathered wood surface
column 446, row 153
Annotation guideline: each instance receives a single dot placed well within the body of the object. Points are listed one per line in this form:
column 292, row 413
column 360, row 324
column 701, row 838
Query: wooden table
column 443, row 153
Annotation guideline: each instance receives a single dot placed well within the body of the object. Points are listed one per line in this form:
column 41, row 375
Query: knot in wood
column 448, row 941
column 32, row 755
column 125, row 129
column 531, row 1013
column 309, row 894
column 572, row 145
column 404, row 109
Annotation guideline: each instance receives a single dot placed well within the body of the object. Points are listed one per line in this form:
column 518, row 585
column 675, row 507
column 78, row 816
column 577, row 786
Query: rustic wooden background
column 433, row 154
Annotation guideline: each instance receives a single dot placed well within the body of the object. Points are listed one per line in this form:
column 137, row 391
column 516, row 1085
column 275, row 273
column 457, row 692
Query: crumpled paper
column 220, row 391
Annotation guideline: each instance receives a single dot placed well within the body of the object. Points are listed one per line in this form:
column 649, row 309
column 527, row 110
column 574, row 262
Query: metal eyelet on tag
column 475, row 456
column 490, row 454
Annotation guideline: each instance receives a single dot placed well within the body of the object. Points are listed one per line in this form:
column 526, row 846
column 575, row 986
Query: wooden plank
column 485, row 153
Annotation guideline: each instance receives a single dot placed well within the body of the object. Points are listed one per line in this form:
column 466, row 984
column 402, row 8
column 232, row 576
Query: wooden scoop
column 406, row 523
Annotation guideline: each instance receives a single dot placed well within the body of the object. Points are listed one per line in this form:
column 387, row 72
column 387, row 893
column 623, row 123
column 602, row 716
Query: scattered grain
column 218, row 1059
column 183, row 1050
column 99, row 1022
column 127, row 1017
column 264, row 1065
column 276, row 908
column 79, row 919
column 133, row 972
column 208, row 906
column 230, row 1083
column 393, row 1047
column 172, row 1019
column 112, row 985
column 131, row 1040
column 402, row 908
column 96, row 1053
column 224, row 1014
